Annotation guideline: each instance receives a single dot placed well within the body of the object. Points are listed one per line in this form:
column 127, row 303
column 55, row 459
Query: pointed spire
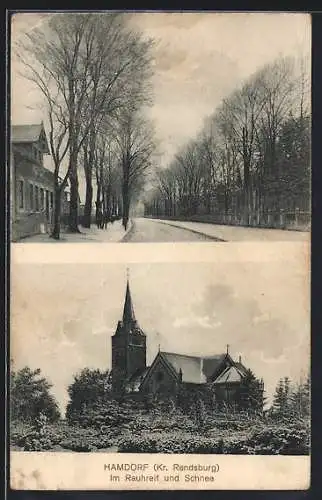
column 128, row 311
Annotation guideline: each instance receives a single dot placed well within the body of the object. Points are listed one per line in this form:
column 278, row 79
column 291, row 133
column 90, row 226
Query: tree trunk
column 73, row 212
column 98, row 200
column 88, row 204
column 57, row 209
column 126, row 195
column 88, row 168
column 126, row 206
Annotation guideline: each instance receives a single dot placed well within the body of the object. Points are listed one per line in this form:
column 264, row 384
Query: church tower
column 128, row 346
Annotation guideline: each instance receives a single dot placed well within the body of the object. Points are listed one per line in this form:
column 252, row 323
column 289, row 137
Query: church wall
column 228, row 393
column 128, row 356
column 119, row 361
column 136, row 356
column 161, row 381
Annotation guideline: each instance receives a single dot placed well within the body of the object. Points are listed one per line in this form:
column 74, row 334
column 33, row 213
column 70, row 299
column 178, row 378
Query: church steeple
column 128, row 310
column 128, row 345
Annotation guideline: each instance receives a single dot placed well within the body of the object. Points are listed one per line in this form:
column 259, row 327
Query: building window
column 42, row 199
column 47, row 202
column 160, row 376
column 51, row 199
column 37, row 198
column 31, row 194
column 20, row 194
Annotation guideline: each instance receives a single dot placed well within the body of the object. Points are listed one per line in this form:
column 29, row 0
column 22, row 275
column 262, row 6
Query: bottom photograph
column 202, row 358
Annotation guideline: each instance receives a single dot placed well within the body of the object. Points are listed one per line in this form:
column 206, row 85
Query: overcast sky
column 63, row 315
column 199, row 59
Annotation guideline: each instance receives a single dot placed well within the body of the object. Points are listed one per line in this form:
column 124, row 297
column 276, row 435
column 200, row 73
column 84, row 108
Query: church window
column 159, row 376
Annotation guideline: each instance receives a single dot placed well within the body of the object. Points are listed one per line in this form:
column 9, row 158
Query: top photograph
column 159, row 127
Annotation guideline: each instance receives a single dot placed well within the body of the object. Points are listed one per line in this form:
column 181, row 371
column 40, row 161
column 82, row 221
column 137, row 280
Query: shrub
column 37, row 441
column 85, row 440
column 236, row 446
column 109, row 413
column 36, row 437
column 279, row 439
column 263, row 440
column 169, row 443
column 161, row 422
column 19, row 431
column 137, row 444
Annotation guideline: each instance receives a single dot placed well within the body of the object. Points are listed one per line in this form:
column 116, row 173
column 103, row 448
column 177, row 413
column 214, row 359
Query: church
column 169, row 371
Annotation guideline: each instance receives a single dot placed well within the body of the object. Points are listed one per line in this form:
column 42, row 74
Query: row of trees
column 251, row 160
column 292, row 399
column 93, row 72
column 30, row 396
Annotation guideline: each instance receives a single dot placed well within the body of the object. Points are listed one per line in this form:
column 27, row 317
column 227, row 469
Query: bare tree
column 120, row 72
column 251, row 158
column 95, row 64
column 134, row 137
column 53, row 54
column 166, row 184
column 30, row 53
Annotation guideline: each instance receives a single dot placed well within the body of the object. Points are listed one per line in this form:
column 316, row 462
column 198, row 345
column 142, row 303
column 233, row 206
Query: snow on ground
column 113, row 234
column 238, row 233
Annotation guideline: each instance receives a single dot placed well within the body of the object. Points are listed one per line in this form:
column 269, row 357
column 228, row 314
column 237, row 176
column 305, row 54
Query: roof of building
column 194, row 369
column 230, row 375
column 134, row 383
column 28, row 134
column 128, row 310
column 241, row 368
column 128, row 322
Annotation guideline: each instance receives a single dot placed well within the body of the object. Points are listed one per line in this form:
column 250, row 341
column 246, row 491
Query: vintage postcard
column 153, row 375
column 182, row 355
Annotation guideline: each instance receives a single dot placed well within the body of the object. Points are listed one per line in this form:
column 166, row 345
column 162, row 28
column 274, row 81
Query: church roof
column 241, row 368
column 194, row 369
column 128, row 310
column 231, row 374
column 134, row 383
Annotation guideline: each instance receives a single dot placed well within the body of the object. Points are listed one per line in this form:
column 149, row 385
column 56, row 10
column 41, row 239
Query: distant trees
column 89, row 68
column 292, row 400
column 134, row 148
column 108, row 176
column 30, row 397
column 250, row 163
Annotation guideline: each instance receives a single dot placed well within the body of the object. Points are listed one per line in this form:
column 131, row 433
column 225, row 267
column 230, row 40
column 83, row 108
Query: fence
column 292, row 220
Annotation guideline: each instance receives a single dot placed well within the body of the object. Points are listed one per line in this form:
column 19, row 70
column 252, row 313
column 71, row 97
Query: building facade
column 169, row 372
column 32, row 185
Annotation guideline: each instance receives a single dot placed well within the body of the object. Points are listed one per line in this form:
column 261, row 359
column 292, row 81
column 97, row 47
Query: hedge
column 271, row 440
